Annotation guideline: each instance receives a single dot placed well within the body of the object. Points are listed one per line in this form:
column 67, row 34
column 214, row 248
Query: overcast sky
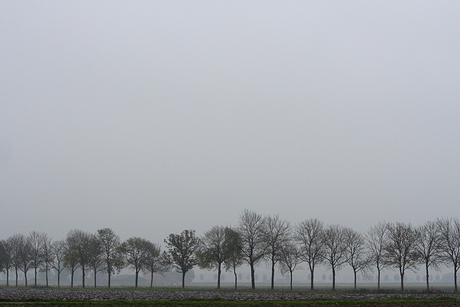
column 151, row 117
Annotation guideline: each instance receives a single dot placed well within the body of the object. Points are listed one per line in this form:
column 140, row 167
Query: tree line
column 256, row 239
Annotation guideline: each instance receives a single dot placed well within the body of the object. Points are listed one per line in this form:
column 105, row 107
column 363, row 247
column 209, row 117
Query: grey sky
column 150, row 117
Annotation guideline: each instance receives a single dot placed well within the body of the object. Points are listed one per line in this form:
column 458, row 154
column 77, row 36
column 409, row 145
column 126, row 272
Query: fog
column 152, row 117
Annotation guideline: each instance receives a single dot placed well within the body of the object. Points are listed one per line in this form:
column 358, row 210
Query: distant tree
column 376, row 238
column 252, row 229
column 22, row 255
column 14, row 243
column 134, row 251
column 276, row 235
column 58, row 250
column 289, row 259
column 154, row 261
column 47, row 257
column 335, row 252
column 400, row 250
column 190, row 276
column 356, row 257
column 309, row 236
column 95, row 256
column 80, row 242
column 450, row 244
column 233, row 249
column 428, row 247
column 181, row 251
column 7, row 258
column 3, row 256
column 113, row 259
column 36, row 241
column 212, row 251
column 71, row 254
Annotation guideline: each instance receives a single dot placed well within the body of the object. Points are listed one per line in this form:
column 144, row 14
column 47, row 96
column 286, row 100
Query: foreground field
column 56, row 297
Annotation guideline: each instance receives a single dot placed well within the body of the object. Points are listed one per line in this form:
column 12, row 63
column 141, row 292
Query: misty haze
column 152, row 122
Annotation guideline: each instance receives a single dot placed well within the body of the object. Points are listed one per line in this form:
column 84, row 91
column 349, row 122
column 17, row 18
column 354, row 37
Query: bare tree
column 276, row 236
column 113, row 259
column 71, row 255
column 355, row 252
column 47, row 257
column 400, row 250
column 154, row 260
column 80, row 242
column 7, row 258
column 36, row 241
column 95, row 256
column 3, row 256
column 309, row 236
column 428, row 247
column 289, row 259
column 335, row 252
column 181, row 251
column 233, row 249
column 450, row 244
column 58, row 250
column 14, row 243
column 252, row 229
column 376, row 238
column 22, row 257
column 211, row 254
column 134, row 251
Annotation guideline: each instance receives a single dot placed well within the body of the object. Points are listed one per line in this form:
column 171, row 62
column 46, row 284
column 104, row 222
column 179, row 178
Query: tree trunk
column 354, row 273
column 95, row 272
column 83, row 276
column 273, row 276
column 183, row 280
column 378, row 279
column 455, row 277
column 16, row 276
column 311, row 278
column 219, row 271
column 333, row 278
column 35, row 277
column 402, row 281
column 71, row 278
column 253, row 281
column 25, row 278
column 108, row 281
column 291, row 280
column 7, row 277
column 236, row 278
column 59, row 279
column 47, row 275
column 151, row 279
column 427, row 278
column 137, row 277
